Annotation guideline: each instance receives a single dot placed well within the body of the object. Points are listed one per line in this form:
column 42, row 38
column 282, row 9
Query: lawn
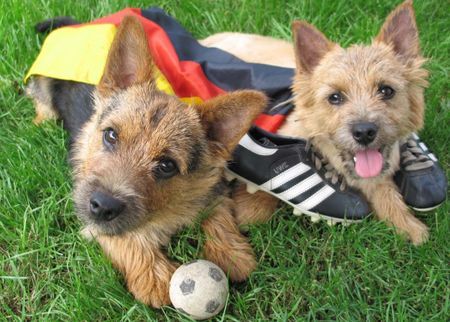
column 306, row 271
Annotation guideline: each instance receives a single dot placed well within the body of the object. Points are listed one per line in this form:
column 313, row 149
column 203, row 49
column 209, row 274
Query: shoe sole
column 427, row 209
column 314, row 217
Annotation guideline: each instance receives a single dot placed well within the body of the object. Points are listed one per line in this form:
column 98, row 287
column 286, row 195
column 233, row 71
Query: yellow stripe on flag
column 75, row 53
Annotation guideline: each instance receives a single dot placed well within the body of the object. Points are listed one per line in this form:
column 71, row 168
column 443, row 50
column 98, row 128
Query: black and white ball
column 199, row 289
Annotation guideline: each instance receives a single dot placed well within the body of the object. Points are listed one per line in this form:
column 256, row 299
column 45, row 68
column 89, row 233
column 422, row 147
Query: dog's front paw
column 237, row 263
column 416, row 230
column 152, row 290
column 156, row 298
column 242, row 266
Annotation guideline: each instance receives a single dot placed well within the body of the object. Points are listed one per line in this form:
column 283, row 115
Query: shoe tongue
column 368, row 163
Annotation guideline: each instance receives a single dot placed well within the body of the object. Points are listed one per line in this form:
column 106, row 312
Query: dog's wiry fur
column 152, row 126
column 322, row 68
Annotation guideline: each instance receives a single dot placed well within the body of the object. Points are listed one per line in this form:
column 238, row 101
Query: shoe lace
column 413, row 157
column 320, row 162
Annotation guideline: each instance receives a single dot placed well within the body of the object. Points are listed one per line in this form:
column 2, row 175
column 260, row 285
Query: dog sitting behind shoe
column 145, row 164
column 354, row 104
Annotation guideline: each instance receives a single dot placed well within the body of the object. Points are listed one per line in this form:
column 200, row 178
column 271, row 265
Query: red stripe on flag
column 270, row 123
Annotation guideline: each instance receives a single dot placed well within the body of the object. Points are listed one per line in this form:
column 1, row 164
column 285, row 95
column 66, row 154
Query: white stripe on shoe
column 317, row 198
column 423, row 146
column 432, row 157
column 285, row 176
column 250, row 145
column 300, row 187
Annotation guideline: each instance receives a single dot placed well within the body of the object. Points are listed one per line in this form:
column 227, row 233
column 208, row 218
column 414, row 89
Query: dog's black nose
column 365, row 132
column 105, row 207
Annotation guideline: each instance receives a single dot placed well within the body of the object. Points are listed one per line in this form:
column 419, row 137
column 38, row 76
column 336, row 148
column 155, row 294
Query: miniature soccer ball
column 199, row 289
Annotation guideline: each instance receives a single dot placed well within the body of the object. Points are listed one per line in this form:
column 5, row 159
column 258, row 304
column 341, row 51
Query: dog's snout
column 364, row 132
column 104, row 206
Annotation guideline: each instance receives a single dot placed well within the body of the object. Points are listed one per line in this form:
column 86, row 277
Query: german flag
column 185, row 68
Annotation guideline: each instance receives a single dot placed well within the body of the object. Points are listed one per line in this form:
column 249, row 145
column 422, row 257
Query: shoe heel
column 252, row 188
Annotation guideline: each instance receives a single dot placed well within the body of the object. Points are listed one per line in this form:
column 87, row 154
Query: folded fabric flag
column 185, row 68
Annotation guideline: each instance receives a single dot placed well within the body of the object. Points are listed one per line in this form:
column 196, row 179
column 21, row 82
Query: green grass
column 306, row 271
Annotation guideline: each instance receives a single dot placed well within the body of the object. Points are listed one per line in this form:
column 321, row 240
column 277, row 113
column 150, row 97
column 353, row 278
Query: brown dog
column 354, row 104
column 145, row 164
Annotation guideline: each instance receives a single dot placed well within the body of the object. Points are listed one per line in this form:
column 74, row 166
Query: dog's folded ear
column 310, row 45
column 400, row 31
column 228, row 117
column 129, row 61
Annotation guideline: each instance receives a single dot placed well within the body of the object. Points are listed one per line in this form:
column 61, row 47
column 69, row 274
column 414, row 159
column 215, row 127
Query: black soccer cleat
column 421, row 180
column 289, row 169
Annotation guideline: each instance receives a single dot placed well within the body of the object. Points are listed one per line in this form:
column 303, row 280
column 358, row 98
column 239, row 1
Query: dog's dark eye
column 110, row 137
column 166, row 168
column 336, row 99
column 386, row 92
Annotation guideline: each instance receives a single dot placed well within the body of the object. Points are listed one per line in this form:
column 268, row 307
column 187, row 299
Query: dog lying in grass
column 145, row 164
column 354, row 104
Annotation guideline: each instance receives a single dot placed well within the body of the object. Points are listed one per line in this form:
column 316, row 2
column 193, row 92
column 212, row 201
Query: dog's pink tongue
column 368, row 163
